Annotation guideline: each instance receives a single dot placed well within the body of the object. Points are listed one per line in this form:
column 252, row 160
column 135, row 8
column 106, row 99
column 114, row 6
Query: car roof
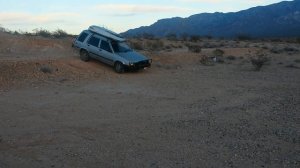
column 106, row 33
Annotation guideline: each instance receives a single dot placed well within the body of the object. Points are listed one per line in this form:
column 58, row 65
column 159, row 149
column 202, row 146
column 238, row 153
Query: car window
column 94, row 41
column 82, row 37
column 105, row 46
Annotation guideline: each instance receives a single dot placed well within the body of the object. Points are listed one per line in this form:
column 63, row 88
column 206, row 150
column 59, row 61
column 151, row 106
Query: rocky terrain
column 201, row 104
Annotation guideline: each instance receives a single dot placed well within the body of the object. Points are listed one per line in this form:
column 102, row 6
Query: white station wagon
column 110, row 48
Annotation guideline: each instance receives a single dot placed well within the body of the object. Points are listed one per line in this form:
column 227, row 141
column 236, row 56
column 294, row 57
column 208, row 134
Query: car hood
column 133, row 56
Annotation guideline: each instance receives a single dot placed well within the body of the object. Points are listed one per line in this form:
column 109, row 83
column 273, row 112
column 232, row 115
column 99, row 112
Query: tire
column 119, row 67
column 84, row 55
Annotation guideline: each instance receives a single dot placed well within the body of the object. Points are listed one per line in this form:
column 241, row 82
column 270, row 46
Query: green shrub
column 218, row 52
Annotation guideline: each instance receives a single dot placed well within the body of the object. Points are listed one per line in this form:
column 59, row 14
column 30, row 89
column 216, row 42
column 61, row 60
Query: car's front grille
column 142, row 64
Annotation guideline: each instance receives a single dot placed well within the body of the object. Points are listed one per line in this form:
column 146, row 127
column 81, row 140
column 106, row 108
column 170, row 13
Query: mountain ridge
column 276, row 20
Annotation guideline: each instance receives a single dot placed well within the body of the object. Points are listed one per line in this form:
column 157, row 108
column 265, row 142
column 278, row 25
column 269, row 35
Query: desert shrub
column 148, row 36
column 168, row 47
column 60, row 33
column 194, row 48
column 290, row 49
column 195, row 38
column 184, row 37
column 46, row 69
column 232, row 57
column 171, row 36
column 292, row 66
column 276, row 40
column 275, row 50
column 297, row 61
column 2, row 29
column 208, row 45
column 155, row 45
column 298, row 40
column 208, row 37
column 218, row 52
column 136, row 45
column 205, row 60
column 243, row 37
column 259, row 61
column 42, row 32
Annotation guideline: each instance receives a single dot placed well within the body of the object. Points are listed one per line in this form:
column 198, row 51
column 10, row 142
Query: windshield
column 120, row 47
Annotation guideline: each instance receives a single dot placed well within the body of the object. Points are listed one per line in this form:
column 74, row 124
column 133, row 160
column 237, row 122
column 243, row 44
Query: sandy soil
column 57, row 111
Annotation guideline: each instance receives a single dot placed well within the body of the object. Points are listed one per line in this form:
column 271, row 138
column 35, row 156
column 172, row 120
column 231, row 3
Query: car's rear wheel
column 84, row 55
column 119, row 67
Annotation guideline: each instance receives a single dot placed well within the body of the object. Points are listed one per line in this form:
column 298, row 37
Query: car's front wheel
column 84, row 55
column 119, row 67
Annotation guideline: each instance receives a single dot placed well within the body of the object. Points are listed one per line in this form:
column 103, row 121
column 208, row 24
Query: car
column 110, row 48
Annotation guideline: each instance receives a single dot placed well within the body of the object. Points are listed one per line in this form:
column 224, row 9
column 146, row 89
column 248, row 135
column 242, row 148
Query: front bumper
column 140, row 64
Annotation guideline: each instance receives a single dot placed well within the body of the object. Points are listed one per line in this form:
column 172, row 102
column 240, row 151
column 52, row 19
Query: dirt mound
column 16, row 73
column 23, row 47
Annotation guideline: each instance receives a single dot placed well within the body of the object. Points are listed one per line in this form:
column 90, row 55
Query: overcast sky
column 118, row 15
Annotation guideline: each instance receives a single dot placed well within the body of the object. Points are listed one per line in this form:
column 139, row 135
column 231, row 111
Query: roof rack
column 106, row 33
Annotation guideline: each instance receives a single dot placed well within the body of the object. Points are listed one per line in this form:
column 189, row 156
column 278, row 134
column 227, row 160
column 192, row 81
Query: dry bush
column 46, row 69
column 42, row 32
column 232, row 57
column 218, row 52
column 194, row 48
column 292, row 66
column 290, row 49
column 205, row 60
column 60, row 34
column 155, row 45
column 172, row 37
column 195, row 38
column 298, row 40
column 243, row 37
column 136, row 45
column 259, row 60
column 276, row 50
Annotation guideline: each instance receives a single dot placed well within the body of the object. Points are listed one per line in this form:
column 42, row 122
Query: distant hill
column 276, row 20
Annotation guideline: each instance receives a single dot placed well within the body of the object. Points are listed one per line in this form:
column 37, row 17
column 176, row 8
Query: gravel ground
column 175, row 114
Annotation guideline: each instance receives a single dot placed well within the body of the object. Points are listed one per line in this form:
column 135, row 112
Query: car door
column 106, row 51
column 93, row 46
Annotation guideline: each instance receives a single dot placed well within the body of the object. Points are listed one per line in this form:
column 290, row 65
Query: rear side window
column 105, row 46
column 82, row 37
column 94, row 41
